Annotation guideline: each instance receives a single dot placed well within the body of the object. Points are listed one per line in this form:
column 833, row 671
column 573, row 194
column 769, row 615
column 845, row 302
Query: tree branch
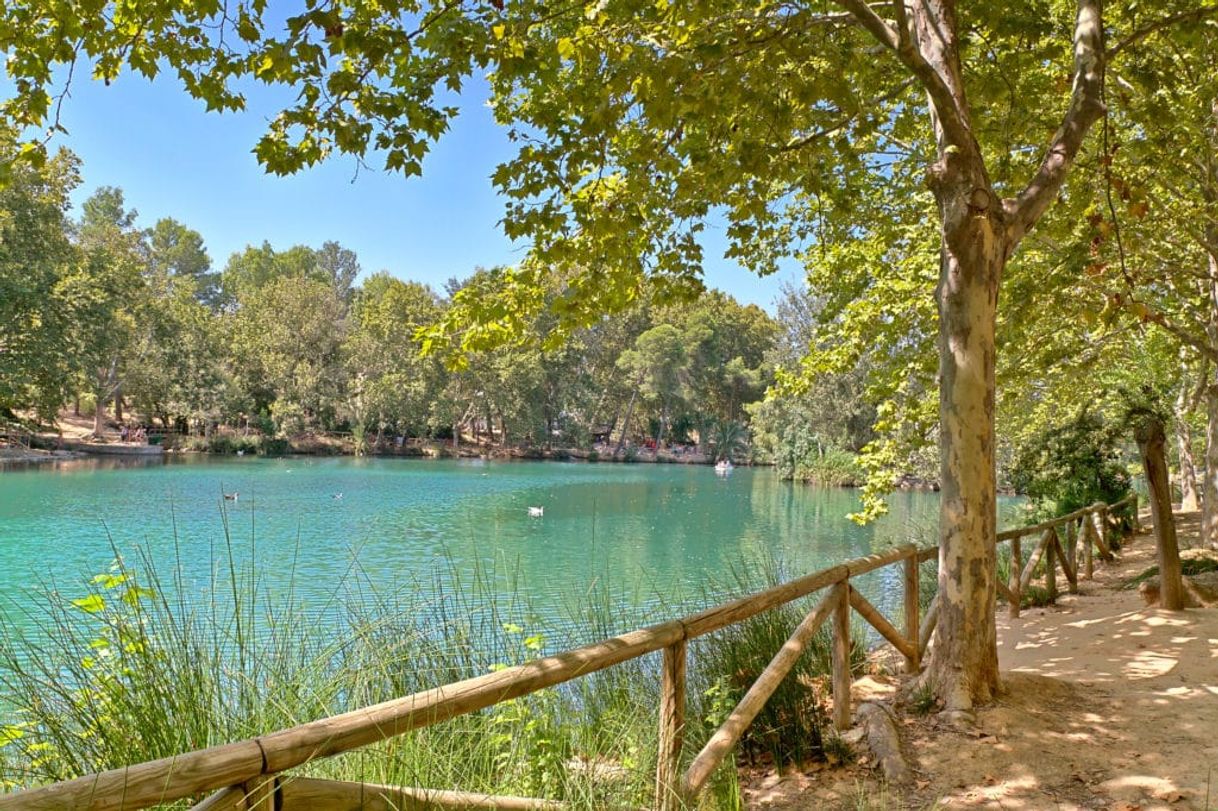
column 1187, row 337
column 1166, row 22
column 901, row 43
column 1085, row 109
column 846, row 119
column 875, row 25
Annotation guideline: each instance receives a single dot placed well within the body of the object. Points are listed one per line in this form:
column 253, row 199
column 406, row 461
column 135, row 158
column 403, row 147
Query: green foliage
column 359, row 439
column 730, row 440
column 1072, row 465
column 136, row 665
column 1189, row 565
column 833, row 468
column 39, row 324
column 793, row 725
column 922, row 701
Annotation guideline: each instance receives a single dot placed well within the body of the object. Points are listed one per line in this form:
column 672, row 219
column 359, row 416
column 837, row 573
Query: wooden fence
column 254, row 773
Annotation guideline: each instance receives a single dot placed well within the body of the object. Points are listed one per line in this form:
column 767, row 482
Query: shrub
column 793, row 725
column 1196, row 564
column 833, row 468
column 1072, row 465
column 359, row 438
column 231, row 443
column 274, row 446
column 127, row 672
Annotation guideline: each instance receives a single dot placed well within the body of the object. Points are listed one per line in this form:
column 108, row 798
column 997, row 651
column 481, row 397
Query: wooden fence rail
column 252, row 773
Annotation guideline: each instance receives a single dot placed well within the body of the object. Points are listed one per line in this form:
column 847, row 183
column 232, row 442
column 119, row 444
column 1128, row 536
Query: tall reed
column 141, row 663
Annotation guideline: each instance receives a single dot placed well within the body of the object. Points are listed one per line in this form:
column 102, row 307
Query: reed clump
column 140, row 663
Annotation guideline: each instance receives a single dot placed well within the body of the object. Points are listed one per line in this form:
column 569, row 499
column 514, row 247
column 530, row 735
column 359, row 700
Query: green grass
column 136, row 665
column 1188, row 566
column 833, row 468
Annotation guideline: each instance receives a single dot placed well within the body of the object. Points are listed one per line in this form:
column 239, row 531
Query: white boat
column 537, row 512
column 723, row 467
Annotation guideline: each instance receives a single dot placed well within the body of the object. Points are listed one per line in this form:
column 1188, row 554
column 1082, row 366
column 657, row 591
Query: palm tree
column 730, row 439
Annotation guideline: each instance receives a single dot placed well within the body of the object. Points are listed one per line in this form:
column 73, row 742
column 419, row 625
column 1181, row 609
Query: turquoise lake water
column 658, row 537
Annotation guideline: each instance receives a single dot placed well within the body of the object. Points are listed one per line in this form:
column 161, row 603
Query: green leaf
column 91, row 604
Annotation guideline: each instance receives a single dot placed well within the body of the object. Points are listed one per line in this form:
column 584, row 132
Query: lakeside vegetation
column 135, row 325
column 130, row 666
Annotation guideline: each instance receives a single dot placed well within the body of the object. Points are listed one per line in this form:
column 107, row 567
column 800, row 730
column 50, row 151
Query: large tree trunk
column 1209, row 495
column 979, row 234
column 964, row 664
column 1184, row 442
column 621, row 440
column 1209, row 483
column 1151, row 440
column 99, row 416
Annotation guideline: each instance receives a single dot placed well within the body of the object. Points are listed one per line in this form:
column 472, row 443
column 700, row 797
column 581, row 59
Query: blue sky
column 171, row 158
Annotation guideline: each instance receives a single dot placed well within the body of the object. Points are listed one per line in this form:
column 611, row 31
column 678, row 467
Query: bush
column 359, row 439
column 274, row 446
column 1195, row 564
column 793, row 726
column 575, row 436
column 833, row 468
column 231, row 443
column 136, row 667
column 1072, row 465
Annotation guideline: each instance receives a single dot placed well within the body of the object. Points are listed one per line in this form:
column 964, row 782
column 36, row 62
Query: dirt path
column 1107, row 704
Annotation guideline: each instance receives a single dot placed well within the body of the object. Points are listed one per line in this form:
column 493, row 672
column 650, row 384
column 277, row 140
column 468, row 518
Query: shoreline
column 33, row 456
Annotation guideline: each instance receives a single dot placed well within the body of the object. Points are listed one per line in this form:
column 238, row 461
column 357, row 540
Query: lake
column 656, row 538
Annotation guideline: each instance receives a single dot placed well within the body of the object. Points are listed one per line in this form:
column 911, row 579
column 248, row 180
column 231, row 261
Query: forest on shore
column 135, row 324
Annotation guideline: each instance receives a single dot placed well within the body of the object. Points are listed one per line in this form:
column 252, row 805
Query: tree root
column 884, row 741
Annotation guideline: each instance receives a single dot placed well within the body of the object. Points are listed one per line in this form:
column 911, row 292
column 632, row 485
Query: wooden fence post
column 1086, row 530
column 262, row 793
column 913, row 607
column 1013, row 579
column 1101, row 530
column 1072, row 545
column 672, row 728
column 841, row 656
column 1051, row 567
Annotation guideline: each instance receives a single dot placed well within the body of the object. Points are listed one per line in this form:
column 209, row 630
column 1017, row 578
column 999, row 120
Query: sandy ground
column 1107, row 704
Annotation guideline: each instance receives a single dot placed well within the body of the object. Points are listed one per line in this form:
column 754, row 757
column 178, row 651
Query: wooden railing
column 253, row 773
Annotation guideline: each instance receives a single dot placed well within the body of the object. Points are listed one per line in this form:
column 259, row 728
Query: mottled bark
column 1209, row 483
column 964, row 663
column 979, row 233
column 99, row 417
column 1189, row 500
column 1209, row 494
column 964, row 666
column 1151, row 441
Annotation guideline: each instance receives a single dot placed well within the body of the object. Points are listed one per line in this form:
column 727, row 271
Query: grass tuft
column 140, row 663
